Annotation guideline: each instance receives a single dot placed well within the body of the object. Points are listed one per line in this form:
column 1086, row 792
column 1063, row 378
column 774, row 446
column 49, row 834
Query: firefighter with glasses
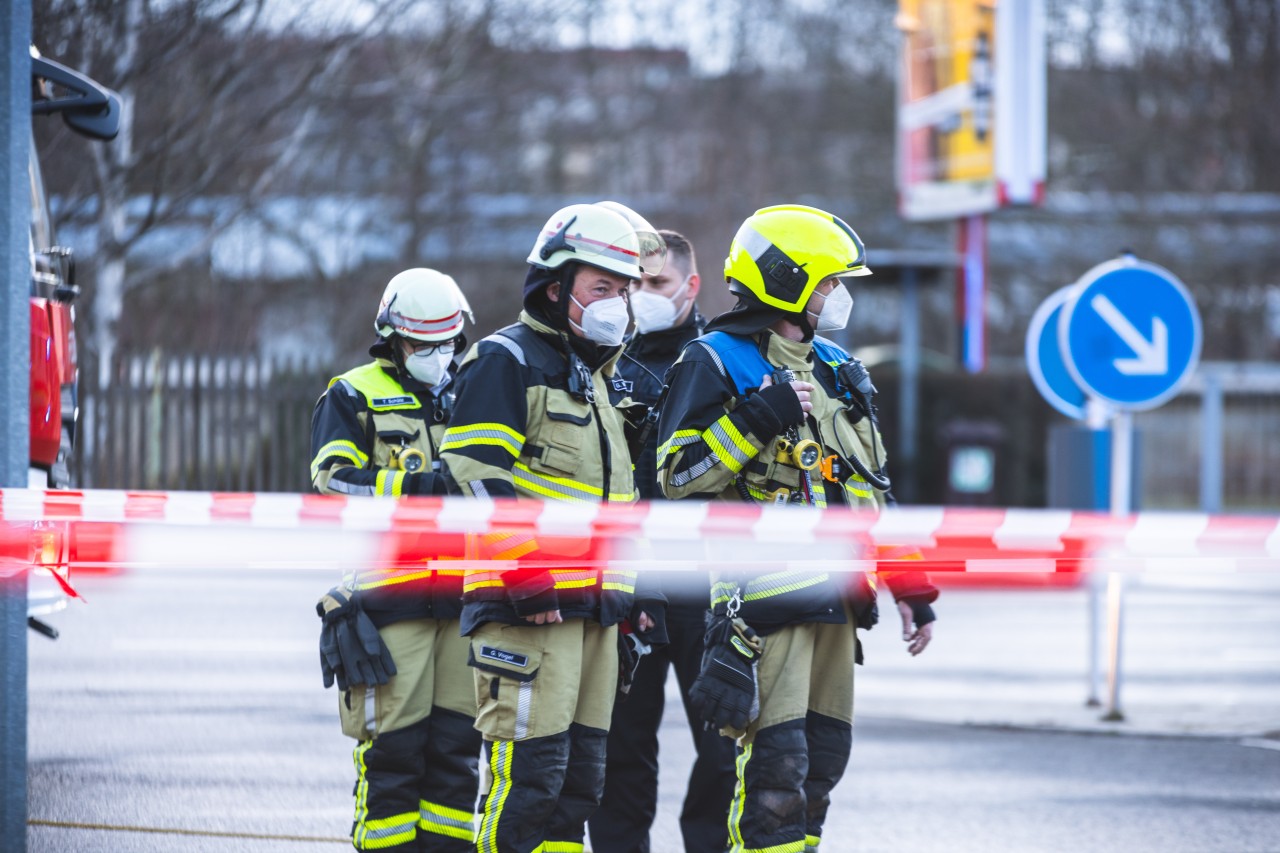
column 390, row 636
column 763, row 409
column 538, row 416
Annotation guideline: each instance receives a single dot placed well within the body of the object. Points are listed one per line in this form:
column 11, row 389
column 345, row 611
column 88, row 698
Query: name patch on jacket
column 623, row 385
column 384, row 402
column 503, row 656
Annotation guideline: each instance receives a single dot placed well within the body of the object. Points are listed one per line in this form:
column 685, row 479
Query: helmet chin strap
column 397, row 353
column 805, row 326
column 567, row 274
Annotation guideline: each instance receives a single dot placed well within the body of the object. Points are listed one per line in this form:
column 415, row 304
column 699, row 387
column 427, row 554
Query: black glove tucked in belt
column 351, row 649
column 725, row 692
column 630, row 651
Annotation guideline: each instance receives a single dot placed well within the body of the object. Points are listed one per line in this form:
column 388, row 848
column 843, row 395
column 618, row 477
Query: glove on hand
column 725, row 692
column 351, row 649
column 425, row 483
column 785, row 404
column 630, row 650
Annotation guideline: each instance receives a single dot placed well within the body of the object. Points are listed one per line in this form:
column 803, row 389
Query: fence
column 1216, row 446
column 220, row 423
column 216, row 423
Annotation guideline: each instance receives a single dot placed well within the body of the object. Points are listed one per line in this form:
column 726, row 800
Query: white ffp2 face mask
column 653, row 312
column 835, row 310
column 429, row 367
column 604, row 321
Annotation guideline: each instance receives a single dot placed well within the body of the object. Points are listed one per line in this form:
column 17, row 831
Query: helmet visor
column 653, row 252
column 854, row 272
column 617, row 254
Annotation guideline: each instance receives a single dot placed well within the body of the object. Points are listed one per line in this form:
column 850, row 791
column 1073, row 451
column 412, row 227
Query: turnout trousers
column 626, row 813
column 545, row 694
column 416, row 763
column 792, row 756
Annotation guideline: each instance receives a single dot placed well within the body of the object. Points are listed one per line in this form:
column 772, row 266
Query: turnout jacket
column 640, row 373
column 518, row 431
column 364, row 417
column 720, row 442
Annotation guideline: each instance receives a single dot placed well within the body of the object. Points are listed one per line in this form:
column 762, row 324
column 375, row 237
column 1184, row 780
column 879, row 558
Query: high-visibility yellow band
column 390, row 577
column 446, row 821
column 781, row 583
column 389, row 483
column 679, row 439
column 561, row 488
column 500, row 757
column 340, row 449
column 728, row 444
column 496, row 434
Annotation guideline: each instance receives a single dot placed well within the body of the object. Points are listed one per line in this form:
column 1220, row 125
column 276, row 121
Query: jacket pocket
column 357, row 709
column 506, row 681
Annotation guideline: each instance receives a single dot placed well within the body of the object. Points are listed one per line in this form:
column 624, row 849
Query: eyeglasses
column 432, row 347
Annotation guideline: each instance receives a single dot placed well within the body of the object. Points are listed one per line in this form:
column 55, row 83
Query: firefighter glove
column 630, row 650
column 726, row 693
column 351, row 649
column 772, row 410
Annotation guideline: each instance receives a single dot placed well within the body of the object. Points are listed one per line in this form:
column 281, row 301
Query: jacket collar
column 598, row 358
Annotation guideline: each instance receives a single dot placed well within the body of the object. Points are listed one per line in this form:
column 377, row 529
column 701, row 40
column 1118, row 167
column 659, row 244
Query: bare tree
column 216, row 103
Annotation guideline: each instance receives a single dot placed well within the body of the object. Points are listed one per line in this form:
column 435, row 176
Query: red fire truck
column 91, row 110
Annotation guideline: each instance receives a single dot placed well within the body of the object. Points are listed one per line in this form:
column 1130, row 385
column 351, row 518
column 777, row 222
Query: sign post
column 970, row 129
column 15, row 356
column 1123, row 338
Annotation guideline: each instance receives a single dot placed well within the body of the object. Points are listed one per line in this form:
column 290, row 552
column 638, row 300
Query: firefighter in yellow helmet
column 537, row 417
column 391, row 637
column 763, row 409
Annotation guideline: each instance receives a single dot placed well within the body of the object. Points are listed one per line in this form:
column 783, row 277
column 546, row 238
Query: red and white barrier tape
column 210, row 529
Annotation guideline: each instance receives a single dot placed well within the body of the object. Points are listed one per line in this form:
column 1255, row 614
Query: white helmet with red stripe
column 588, row 234
column 422, row 304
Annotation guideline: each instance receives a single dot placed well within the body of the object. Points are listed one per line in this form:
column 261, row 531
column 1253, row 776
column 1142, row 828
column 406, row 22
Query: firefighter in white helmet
column 390, row 637
column 537, row 416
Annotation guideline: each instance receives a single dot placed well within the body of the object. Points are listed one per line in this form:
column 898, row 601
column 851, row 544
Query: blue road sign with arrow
column 1131, row 333
column 1045, row 361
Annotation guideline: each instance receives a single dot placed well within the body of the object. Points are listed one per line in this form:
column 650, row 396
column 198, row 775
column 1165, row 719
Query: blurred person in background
column 391, row 638
column 763, row 409
column 536, row 417
column 667, row 318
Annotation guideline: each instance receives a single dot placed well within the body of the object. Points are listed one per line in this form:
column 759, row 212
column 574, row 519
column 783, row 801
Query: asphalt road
column 184, row 712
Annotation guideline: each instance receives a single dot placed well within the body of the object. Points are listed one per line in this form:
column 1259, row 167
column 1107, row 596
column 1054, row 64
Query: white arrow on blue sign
column 1045, row 363
column 1130, row 334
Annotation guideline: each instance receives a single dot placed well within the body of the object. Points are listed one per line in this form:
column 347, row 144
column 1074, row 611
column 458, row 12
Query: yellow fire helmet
column 781, row 253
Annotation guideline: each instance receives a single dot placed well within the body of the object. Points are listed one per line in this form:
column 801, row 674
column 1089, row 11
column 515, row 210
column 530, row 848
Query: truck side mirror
column 88, row 107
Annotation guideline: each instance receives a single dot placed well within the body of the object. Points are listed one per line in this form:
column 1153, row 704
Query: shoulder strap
column 382, row 392
column 829, row 351
column 834, row 355
column 738, row 358
column 528, row 347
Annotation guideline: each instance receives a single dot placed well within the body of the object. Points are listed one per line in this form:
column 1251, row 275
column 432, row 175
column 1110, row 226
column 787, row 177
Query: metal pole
column 1211, row 443
column 1121, row 503
column 910, row 400
column 15, row 359
column 1095, row 647
column 1096, row 416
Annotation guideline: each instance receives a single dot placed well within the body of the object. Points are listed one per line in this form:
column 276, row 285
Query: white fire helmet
column 589, row 234
column 422, row 304
column 653, row 249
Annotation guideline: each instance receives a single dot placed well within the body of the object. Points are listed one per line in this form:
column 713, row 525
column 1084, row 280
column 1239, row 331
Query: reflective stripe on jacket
column 711, row 449
column 517, row 431
column 364, row 417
